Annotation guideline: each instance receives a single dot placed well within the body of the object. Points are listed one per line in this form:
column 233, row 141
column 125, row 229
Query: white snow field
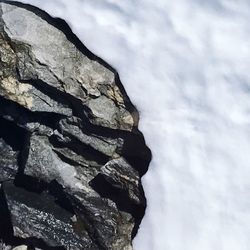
column 186, row 66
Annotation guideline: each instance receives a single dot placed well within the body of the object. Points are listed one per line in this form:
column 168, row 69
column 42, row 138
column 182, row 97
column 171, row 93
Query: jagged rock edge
column 63, row 26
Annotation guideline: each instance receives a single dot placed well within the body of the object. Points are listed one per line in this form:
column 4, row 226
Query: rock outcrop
column 71, row 154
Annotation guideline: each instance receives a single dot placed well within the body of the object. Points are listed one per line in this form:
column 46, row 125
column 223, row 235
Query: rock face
column 71, row 155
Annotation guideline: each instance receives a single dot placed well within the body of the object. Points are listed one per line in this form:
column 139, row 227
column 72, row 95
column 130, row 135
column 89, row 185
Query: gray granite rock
column 71, row 154
column 21, row 247
column 124, row 177
column 42, row 52
column 8, row 161
column 38, row 216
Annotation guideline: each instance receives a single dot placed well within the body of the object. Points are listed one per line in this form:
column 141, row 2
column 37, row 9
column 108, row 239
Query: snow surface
column 186, row 66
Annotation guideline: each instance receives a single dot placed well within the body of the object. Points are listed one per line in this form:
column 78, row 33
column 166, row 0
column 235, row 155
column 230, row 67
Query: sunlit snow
column 186, row 66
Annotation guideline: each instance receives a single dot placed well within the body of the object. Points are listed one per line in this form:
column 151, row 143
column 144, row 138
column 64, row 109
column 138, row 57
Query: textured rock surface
column 71, row 156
